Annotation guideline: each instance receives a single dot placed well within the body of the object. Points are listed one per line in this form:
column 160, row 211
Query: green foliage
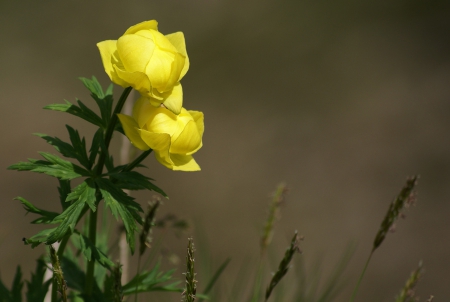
column 46, row 216
column 104, row 100
column 152, row 280
column 81, row 111
column 37, row 288
column 90, row 251
column 133, row 180
column 85, row 193
column 53, row 166
column 15, row 294
column 121, row 205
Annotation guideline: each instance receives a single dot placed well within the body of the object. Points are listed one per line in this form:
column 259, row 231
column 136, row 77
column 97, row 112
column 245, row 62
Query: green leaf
column 5, row 295
column 79, row 145
column 54, row 166
column 85, row 193
column 133, row 180
column 77, row 150
column 95, row 146
column 103, row 100
column 62, row 147
column 46, row 216
column 37, row 288
column 69, row 219
column 93, row 86
column 15, row 295
column 16, row 290
column 64, row 190
column 90, row 251
column 81, row 111
column 148, row 281
column 38, row 238
column 121, row 205
column 75, row 279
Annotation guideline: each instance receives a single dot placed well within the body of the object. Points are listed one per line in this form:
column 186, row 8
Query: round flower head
column 173, row 138
column 148, row 61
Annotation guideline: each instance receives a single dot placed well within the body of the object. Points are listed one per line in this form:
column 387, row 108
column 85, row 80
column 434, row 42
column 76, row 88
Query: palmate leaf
column 121, row 205
column 90, row 251
column 46, row 216
column 81, row 111
column 37, row 288
column 54, row 166
column 133, row 180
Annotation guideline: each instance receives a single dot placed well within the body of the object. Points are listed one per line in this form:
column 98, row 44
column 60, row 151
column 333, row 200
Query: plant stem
column 137, row 161
column 91, row 264
column 110, row 130
column 98, row 171
column 361, row 277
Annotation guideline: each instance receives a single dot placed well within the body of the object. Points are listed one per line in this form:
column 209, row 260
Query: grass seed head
column 405, row 198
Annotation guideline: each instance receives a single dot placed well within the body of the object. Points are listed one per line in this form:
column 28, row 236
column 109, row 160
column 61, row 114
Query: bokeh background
column 342, row 100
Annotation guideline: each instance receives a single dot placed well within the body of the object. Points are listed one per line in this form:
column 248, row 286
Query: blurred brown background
column 340, row 99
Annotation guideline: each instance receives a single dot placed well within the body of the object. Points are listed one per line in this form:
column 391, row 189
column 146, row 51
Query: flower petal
column 199, row 120
column 177, row 162
column 131, row 130
column 152, row 24
column 135, row 52
column 137, row 80
column 161, row 120
column 174, row 99
column 188, row 141
column 184, row 163
column 177, row 40
column 108, row 53
column 156, row 141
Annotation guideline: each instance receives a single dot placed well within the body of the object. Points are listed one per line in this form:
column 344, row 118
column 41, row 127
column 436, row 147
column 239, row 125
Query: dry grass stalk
column 274, row 213
column 148, row 223
column 407, row 294
column 191, row 284
column 284, row 264
column 406, row 197
column 58, row 278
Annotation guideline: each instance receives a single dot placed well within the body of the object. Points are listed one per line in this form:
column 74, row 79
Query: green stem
column 98, row 171
column 60, row 253
column 54, row 290
column 137, row 283
column 361, row 277
column 63, row 244
column 110, row 130
column 137, row 161
column 91, row 264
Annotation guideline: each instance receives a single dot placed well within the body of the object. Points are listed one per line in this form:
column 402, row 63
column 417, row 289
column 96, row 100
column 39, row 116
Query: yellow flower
column 173, row 138
column 148, row 61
